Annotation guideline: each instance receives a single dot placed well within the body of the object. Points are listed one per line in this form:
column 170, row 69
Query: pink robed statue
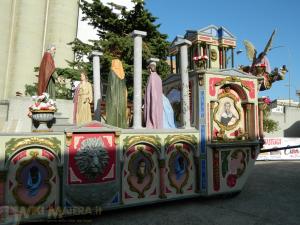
column 153, row 102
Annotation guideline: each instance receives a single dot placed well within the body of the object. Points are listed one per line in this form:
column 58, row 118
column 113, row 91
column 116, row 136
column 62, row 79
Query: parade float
column 95, row 166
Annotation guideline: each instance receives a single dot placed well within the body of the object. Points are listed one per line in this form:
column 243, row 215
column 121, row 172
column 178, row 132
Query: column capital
column 212, row 104
column 247, row 105
column 97, row 53
column 182, row 42
column 153, row 60
column 138, row 33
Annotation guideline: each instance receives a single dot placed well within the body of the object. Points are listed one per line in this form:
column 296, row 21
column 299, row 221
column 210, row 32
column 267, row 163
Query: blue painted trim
column 116, row 198
column 202, row 109
column 203, row 184
column 202, row 140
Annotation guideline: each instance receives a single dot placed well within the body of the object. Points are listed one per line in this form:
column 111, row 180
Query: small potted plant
column 42, row 113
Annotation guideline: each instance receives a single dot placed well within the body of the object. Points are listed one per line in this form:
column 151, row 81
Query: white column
column 137, row 88
column 185, row 102
column 97, row 84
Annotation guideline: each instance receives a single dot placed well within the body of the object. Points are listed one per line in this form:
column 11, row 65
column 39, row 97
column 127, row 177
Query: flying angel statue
column 260, row 66
column 260, row 63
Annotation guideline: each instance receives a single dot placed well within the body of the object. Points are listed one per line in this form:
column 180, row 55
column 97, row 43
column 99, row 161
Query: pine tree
column 114, row 31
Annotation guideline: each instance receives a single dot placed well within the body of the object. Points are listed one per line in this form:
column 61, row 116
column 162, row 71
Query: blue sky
column 252, row 20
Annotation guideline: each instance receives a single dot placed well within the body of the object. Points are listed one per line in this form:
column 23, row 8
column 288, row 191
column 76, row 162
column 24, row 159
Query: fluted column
column 232, row 57
column 97, row 84
column 183, row 45
column 137, row 79
column 261, row 108
column 248, row 120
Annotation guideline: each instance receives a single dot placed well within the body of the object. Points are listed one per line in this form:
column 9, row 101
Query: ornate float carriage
column 100, row 167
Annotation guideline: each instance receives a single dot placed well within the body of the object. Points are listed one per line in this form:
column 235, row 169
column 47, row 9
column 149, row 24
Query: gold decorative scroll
column 18, row 143
column 129, row 141
column 172, row 139
column 233, row 79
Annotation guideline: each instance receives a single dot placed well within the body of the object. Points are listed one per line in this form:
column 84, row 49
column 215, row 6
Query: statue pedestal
column 42, row 120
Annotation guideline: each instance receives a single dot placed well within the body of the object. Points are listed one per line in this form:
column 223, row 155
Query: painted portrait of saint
column 227, row 116
column 34, row 181
column 180, row 166
column 141, row 171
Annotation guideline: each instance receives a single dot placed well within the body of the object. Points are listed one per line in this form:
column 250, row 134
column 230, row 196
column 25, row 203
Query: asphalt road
column 271, row 196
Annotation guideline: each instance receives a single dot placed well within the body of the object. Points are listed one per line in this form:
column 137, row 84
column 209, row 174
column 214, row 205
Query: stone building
column 27, row 28
column 287, row 113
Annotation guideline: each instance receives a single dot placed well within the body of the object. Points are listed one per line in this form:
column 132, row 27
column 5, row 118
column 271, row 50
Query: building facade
column 287, row 114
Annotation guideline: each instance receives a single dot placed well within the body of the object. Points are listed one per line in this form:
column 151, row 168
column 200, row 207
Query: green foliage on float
column 114, row 24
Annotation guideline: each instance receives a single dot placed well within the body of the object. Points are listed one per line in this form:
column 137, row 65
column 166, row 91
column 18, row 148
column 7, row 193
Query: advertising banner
column 286, row 154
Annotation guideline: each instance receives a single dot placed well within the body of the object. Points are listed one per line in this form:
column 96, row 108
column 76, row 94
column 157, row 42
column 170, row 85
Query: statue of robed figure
column 82, row 101
column 153, row 100
column 47, row 74
column 116, row 96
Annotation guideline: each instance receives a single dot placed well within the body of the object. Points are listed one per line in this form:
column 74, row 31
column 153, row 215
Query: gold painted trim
column 233, row 79
column 42, row 131
column 25, row 142
column 69, row 138
column 190, row 139
column 130, row 141
column 117, row 137
column 43, row 111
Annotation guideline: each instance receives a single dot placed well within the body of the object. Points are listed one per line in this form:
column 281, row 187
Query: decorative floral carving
column 15, row 144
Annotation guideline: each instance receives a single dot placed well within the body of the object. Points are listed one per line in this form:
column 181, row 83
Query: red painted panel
column 251, row 86
column 47, row 154
column 19, row 156
column 109, row 172
column 212, row 87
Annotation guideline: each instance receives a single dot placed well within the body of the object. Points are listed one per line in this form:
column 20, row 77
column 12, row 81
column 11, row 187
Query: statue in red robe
column 47, row 74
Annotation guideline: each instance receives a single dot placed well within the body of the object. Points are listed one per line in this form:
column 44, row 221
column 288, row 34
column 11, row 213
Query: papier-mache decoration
column 200, row 61
column 42, row 103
